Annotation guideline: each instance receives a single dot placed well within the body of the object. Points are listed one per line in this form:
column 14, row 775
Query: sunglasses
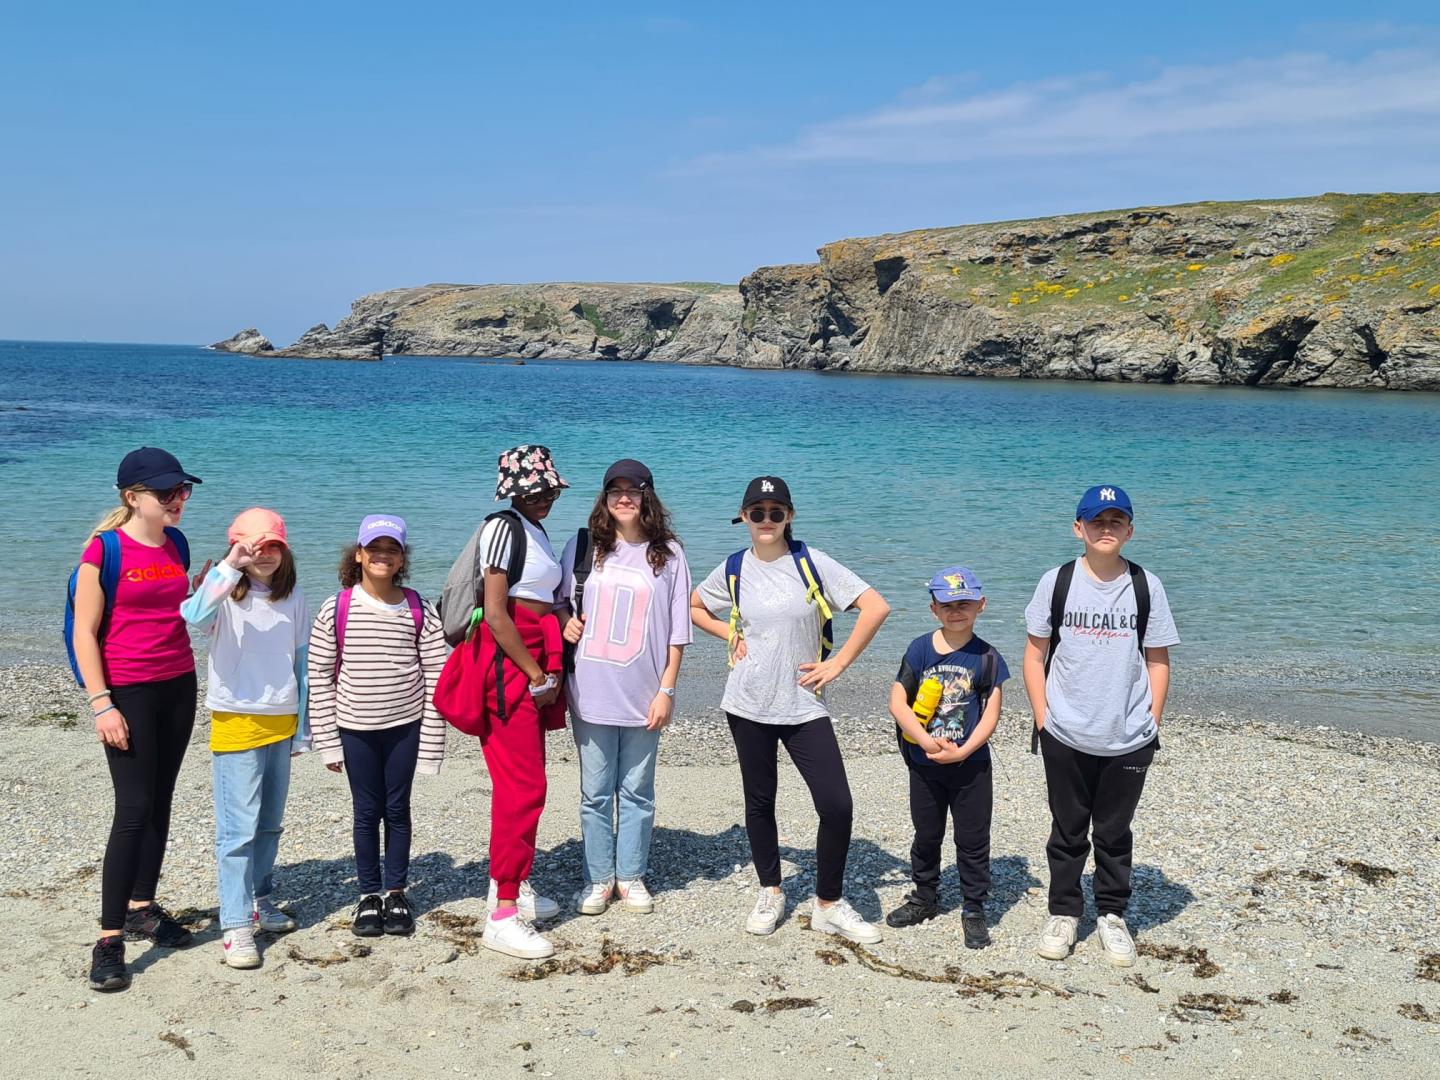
column 775, row 517
column 547, row 496
column 179, row 491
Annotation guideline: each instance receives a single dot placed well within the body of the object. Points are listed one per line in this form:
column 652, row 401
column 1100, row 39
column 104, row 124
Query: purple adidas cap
column 956, row 583
column 377, row 525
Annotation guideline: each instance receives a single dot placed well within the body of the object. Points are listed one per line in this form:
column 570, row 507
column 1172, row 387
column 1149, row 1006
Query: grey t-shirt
column 1097, row 696
column 781, row 632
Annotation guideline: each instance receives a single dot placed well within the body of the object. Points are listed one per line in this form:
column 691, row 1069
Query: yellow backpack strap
column 815, row 595
column 732, row 581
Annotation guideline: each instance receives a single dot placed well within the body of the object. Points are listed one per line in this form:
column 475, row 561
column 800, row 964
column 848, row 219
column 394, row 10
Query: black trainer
column 912, row 912
column 369, row 917
column 153, row 923
column 977, row 934
column 398, row 919
column 107, row 964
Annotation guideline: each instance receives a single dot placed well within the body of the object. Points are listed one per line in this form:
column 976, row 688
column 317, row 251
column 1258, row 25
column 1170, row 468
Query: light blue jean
column 617, row 769
column 250, row 791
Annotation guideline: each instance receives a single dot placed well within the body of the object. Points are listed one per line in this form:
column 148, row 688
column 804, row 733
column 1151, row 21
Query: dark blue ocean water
column 1295, row 531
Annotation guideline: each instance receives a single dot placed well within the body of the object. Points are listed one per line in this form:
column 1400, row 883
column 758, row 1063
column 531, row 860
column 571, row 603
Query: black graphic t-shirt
column 960, row 673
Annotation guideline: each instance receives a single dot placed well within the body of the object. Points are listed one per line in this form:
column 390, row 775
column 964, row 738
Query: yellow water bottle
column 927, row 700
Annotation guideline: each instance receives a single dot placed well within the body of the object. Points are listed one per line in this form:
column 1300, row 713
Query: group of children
column 597, row 634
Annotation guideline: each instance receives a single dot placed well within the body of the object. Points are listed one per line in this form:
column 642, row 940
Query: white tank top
column 540, row 579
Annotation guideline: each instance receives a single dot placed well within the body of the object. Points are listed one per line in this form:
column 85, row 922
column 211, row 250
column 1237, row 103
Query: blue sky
column 172, row 172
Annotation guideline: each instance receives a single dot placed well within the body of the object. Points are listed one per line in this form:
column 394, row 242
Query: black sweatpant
column 381, row 768
column 813, row 749
column 966, row 792
column 160, row 716
column 1085, row 790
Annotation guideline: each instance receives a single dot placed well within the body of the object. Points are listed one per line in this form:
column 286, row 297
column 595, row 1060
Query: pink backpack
column 342, row 616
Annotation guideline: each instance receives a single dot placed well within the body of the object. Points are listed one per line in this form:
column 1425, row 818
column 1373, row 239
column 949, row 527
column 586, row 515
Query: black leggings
column 813, row 749
column 160, row 716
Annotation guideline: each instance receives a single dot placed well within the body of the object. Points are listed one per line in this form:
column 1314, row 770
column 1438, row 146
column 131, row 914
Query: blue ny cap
column 1101, row 498
column 956, row 583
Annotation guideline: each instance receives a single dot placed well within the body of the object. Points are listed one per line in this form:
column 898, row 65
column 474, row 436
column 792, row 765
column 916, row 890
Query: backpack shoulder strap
column 519, row 549
column 182, row 545
column 417, row 612
column 733, row 563
column 1141, row 585
column 109, row 573
column 1058, row 595
column 989, row 672
column 584, row 564
column 814, row 593
column 342, row 616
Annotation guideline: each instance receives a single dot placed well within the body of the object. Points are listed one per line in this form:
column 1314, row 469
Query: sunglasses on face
column 179, row 491
column 549, row 495
column 758, row 516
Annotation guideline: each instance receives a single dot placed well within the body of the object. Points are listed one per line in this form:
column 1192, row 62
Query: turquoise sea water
column 1295, row 531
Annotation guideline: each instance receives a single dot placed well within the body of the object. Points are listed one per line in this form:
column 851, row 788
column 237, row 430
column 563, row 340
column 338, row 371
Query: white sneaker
column 635, row 897
column 766, row 913
column 1115, row 940
column 532, row 905
column 515, row 936
column 594, row 899
column 841, row 919
column 270, row 918
column 1058, row 937
column 240, row 951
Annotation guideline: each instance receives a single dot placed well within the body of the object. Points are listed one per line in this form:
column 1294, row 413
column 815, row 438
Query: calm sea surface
column 1295, row 531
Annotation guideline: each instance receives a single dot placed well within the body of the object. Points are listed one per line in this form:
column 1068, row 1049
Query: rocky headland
column 1335, row 290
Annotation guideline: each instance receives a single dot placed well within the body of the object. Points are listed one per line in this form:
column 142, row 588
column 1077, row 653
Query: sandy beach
column 1285, row 909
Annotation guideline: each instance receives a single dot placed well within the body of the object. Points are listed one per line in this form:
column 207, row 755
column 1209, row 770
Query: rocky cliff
column 1336, row 290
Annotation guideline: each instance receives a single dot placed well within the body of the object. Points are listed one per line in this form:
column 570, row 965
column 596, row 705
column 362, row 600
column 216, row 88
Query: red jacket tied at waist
column 481, row 686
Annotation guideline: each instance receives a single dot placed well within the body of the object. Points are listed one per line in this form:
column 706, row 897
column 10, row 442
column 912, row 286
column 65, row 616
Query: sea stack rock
column 248, row 341
column 354, row 338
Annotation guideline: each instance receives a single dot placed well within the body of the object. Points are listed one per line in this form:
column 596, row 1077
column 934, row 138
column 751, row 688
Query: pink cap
column 258, row 526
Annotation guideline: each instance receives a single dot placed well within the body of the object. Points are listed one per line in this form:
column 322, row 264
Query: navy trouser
column 965, row 791
column 381, row 768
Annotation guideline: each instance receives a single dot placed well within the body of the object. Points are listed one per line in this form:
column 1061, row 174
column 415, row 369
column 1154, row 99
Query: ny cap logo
column 766, row 485
column 1107, row 494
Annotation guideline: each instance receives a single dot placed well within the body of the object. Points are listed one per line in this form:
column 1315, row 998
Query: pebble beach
column 1285, row 911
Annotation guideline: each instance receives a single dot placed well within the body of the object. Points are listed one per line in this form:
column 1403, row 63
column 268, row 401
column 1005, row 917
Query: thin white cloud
column 1299, row 100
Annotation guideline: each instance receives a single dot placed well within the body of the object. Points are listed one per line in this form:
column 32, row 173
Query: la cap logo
column 765, row 485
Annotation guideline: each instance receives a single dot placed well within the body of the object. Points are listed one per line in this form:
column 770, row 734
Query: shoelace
column 768, row 901
column 845, row 912
column 1115, row 933
column 1056, row 927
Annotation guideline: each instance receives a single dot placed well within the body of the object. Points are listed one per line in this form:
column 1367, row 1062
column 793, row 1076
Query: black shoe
column 398, row 919
column 369, row 917
column 912, row 912
column 977, row 934
column 107, row 964
column 153, row 923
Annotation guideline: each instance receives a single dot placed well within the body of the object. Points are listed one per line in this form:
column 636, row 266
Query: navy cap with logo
column 1100, row 498
column 157, row 469
column 762, row 488
column 629, row 469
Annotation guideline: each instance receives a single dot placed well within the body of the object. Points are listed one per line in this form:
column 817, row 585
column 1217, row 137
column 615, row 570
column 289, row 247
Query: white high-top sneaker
column 515, row 936
column 1115, row 940
column 240, row 951
column 841, row 919
column 532, row 905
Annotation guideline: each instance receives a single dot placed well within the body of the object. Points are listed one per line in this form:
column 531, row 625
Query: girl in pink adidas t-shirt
column 139, row 675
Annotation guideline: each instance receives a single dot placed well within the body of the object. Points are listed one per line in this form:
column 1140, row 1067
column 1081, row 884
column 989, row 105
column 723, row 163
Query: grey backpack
column 463, row 598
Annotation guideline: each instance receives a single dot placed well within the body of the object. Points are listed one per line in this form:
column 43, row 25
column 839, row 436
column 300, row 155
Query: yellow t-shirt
column 245, row 731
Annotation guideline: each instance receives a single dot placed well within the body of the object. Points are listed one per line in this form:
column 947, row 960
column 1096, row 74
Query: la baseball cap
column 377, row 525
column 762, row 488
column 1100, row 498
column 153, row 467
column 956, row 583
column 258, row 526
column 629, row 469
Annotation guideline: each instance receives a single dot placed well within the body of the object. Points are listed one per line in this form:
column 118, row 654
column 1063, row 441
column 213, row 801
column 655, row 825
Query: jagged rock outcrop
column 1337, row 290
column 249, row 341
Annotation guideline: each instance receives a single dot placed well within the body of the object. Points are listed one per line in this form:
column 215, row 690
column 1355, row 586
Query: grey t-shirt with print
column 1097, row 696
column 781, row 632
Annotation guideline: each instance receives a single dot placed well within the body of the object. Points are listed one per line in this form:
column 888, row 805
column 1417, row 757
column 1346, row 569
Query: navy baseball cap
column 629, row 469
column 956, row 583
column 1100, row 498
column 762, row 488
column 157, row 469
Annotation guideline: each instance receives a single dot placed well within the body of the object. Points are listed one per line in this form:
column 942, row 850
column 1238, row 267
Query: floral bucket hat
column 527, row 470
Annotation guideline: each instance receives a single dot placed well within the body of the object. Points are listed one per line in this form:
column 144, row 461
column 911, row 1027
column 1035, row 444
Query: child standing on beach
column 376, row 650
column 134, row 658
column 1097, row 669
column 946, row 701
column 255, row 615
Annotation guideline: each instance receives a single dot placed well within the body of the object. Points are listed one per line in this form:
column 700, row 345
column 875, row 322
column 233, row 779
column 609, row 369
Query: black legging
column 160, row 716
column 813, row 749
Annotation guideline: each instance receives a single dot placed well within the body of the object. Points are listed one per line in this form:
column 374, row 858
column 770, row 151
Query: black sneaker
column 153, row 923
column 398, row 919
column 912, row 912
column 107, row 964
column 369, row 917
column 977, row 934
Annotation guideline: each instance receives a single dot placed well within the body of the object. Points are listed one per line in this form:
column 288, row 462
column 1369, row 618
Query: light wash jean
column 617, row 768
column 250, row 791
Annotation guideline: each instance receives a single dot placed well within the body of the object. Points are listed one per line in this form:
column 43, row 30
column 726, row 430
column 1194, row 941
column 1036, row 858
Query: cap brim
column 166, row 481
column 950, row 598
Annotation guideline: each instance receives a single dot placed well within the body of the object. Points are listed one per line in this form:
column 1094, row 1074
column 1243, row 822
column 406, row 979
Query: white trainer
column 634, row 896
column 766, row 913
column 1058, row 937
column 532, row 905
column 594, row 899
column 240, row 951
column 514, row 936
column 1115, row 940
column 270, row 918
column 843, row 920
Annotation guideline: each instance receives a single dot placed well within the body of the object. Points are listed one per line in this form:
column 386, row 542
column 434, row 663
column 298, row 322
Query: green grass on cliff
column 1381, row 247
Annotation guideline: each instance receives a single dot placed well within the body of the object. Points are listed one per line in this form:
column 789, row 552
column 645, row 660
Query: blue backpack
column 109, row 582
column 814, row 594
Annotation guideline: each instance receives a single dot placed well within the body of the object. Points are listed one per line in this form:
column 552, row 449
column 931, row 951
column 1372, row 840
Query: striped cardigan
column 385, row 680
